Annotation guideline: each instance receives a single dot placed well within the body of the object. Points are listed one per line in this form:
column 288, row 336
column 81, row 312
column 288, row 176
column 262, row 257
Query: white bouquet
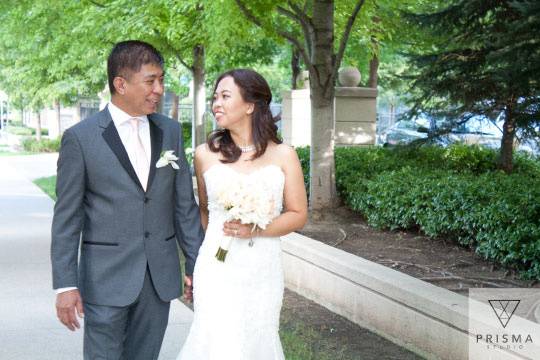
column 247, row 200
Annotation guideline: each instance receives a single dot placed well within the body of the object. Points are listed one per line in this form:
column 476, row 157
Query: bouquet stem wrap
column 224, row 248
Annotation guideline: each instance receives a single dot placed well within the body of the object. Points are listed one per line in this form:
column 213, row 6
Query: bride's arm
column 201, row 188
column 295, row 214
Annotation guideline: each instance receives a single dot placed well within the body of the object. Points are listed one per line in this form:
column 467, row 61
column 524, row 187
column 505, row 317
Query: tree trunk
column 38, row 125
column 507, row 141
column 295, row 68
column 373, row 72
column 174, row 109
column 199, row 97
column 322, row 167
column 58, row 117
column 374, row 62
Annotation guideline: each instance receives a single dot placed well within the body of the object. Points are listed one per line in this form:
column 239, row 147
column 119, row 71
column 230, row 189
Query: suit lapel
column 110, row 134
column 156, row 139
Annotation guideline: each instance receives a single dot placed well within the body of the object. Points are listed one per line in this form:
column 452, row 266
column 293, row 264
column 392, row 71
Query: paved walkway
column 29, row 329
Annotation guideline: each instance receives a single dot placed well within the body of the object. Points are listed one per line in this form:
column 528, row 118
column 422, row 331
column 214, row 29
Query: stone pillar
column 355, row 115
column 296, row 117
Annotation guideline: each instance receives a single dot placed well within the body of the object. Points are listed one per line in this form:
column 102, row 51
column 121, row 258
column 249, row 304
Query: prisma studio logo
column 504, row 310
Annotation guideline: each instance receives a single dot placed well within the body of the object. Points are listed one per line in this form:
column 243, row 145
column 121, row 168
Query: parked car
column 477, row 130
column 404, row 132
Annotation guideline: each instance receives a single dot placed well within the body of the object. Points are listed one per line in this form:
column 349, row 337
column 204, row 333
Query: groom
column 124, row 214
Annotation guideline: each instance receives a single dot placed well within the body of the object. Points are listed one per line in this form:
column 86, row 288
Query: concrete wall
column 430, row 321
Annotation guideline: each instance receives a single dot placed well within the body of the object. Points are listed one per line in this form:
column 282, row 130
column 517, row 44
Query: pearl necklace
column 246, row 149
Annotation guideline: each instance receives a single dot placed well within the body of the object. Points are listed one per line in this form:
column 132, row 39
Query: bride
column 237, row 301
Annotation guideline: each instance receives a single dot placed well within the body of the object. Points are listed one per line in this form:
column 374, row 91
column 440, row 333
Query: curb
column 430, row 321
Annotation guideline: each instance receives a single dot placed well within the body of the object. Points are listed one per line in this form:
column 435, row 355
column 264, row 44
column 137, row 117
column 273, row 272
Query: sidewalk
column 29, row 328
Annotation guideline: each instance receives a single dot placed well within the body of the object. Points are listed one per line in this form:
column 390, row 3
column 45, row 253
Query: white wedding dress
column 237, row 302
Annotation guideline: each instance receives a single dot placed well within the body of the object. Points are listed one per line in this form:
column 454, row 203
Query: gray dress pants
column 133, row 332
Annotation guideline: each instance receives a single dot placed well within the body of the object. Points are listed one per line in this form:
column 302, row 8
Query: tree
column 38, row 65
column 311, row 25
column 188, row 34
column 483, row 59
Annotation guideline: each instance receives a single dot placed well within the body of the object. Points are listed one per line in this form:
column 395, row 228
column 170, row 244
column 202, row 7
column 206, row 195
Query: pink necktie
column 139, row 160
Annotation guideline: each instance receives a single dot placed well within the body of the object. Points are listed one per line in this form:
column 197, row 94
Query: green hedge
column 44, row 145
column 455, row 192
column 24, row 130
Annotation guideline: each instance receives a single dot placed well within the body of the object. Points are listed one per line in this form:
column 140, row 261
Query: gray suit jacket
column 122, row 227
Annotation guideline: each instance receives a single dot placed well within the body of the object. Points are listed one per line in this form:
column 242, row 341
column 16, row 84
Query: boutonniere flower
column 168, row 158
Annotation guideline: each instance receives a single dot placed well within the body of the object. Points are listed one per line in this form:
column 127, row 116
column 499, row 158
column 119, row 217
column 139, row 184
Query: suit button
column 146, row 200
column 146, row 234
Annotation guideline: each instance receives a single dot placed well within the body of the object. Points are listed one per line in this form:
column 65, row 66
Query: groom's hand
column 67, row 303
column 188, row 288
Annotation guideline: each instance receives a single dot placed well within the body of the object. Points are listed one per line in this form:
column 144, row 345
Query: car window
column 412, row 124
column 479, row 126
column 406, row 125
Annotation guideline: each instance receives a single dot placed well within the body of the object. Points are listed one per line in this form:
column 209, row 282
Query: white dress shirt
column 121, row 122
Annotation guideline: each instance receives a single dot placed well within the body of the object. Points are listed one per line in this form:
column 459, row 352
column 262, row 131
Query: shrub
column 186, row 134
column 44, row 132
column 303, row 156
column 455, row 192
column 17, row 128
column 44, row 145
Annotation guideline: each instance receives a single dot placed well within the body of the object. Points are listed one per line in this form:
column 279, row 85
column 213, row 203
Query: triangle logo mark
column 504, row 309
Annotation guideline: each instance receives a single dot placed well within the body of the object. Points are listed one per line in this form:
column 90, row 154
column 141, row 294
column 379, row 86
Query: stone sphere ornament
column 349, row 76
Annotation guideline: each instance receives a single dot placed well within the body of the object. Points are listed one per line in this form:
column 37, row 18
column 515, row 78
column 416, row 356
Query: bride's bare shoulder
column 204, row 157
column 284, row 150
column 283, row 154
column 202, row 149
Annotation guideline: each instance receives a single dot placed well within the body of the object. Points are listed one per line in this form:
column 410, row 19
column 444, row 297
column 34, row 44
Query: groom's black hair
column 128, row 56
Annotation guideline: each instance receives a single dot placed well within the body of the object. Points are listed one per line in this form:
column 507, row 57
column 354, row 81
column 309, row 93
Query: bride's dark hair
column 253, row 89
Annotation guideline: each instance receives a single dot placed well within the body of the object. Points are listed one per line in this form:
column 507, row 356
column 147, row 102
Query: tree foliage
column 309, row 26
column 38, row 66
column 53, row 49
column 482, row 58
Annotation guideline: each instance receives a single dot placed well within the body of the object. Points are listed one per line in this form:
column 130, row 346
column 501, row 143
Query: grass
column 47, row 184
column 301, row 343
column 302, row 339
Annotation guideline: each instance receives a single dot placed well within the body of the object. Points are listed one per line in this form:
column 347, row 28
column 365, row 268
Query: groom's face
column 142, row 90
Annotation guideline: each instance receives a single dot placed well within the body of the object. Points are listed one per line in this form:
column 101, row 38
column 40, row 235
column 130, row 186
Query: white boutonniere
column 168, row 158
